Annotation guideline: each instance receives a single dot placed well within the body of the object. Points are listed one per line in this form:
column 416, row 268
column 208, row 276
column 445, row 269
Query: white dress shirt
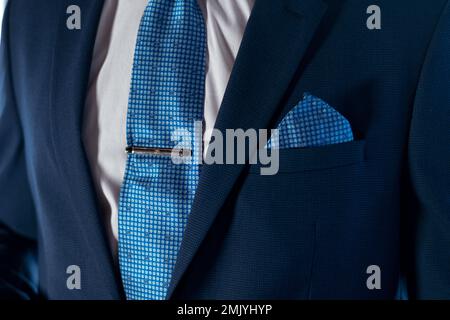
column 104, row 126
column 2, row 11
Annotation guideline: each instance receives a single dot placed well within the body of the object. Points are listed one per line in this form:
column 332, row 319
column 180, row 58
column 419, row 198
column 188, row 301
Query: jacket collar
column 70, row 75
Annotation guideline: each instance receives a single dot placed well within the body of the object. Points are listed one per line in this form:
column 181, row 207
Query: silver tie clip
column 158, row 151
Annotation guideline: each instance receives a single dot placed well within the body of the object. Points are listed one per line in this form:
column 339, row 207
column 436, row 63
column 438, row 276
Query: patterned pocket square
column 312, row 123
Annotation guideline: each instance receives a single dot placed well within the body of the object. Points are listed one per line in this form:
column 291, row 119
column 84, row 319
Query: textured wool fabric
column 167, row 95
column 312, row 123
column 309, row 232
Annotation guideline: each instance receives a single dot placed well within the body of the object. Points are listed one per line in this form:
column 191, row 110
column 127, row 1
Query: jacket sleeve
column 18, row 266
column 428, row 267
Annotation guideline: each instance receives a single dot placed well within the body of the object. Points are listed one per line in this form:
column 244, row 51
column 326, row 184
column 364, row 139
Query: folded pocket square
column 312, row 123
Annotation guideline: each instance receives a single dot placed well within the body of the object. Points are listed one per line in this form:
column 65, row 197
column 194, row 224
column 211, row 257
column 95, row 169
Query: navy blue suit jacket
column 309, row 232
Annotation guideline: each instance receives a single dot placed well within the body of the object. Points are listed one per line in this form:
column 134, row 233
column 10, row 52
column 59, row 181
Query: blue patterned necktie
column 167, row 94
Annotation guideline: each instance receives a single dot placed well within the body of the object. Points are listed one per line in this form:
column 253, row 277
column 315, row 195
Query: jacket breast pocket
column 317, row 158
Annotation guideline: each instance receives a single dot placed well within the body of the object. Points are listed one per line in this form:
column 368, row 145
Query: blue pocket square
column 312, row 123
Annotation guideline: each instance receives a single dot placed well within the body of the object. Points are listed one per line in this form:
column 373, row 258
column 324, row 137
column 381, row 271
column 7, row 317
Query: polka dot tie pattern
column 166, row 95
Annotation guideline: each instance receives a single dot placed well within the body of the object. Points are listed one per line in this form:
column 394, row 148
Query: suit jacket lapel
column 71, row 66
column 276, row 39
